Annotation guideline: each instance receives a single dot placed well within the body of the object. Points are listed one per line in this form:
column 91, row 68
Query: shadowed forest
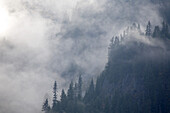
column 135, row 79
column 84, row 56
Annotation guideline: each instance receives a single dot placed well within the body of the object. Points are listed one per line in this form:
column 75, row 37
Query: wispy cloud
column 51, row 40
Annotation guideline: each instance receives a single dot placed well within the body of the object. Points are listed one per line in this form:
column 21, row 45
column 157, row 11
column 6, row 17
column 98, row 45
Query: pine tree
column 63, row 100
column 54, row 105
column 165, row 30
column 111, row 43
column 157, row 32
column 148, row 29
column 70, row 99
column 91, row 88
column 80, row 88
column 89, row 93
column 46, row 107
column 116, row 40
column 98, row 86
column 70, row 93
column 63, row 96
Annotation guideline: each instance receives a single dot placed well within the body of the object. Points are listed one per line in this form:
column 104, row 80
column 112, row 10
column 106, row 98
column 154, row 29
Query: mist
column 48, row 40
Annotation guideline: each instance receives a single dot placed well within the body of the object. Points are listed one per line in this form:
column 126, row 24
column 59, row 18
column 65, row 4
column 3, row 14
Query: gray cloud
column 51, row 40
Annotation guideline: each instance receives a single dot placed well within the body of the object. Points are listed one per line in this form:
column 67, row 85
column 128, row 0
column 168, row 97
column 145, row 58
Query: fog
column 46, row 40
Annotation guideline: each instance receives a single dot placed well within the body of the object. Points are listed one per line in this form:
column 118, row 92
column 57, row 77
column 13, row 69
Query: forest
column 135, row 79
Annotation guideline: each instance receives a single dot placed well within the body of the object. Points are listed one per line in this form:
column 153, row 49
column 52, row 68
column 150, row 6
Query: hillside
column 135, row 79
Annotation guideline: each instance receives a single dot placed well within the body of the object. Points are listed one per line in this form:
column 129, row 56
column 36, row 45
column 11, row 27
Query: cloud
column 51, row 40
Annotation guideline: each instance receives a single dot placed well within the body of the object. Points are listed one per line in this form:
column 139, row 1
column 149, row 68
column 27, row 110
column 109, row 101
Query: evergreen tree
column 148, row 29
column 46, row 107
column 54, row 105
column 63, row 100
column 63, row 96
column 111, row 43
column 89, row 93
column 91, row 88
column 163, row 29
column 116, row 40
column 157, row 32
column 80, row 88
column 70, row 92
column 98, row 85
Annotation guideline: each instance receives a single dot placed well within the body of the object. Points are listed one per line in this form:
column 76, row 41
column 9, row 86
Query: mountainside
column 136, row 78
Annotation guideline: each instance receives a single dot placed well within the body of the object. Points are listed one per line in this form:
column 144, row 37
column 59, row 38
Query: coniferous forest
column 135, row 79
column 84, row 56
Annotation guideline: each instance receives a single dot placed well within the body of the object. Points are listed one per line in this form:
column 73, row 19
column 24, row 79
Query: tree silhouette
column 46, row 107
column 70, row 92
column 157, row 32
column 148, row 29
column 63, row 101
column 80, row 88
column 54, row 104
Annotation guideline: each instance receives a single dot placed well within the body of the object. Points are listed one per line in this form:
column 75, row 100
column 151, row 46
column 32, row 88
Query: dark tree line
column 123, row 87
column 150, row 31
column 157, row 31
column 70, row 102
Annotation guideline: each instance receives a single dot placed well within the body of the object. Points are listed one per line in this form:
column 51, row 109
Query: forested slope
column 135, row 79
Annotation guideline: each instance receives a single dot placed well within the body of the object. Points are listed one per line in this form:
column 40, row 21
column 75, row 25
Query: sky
column 46, row 40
